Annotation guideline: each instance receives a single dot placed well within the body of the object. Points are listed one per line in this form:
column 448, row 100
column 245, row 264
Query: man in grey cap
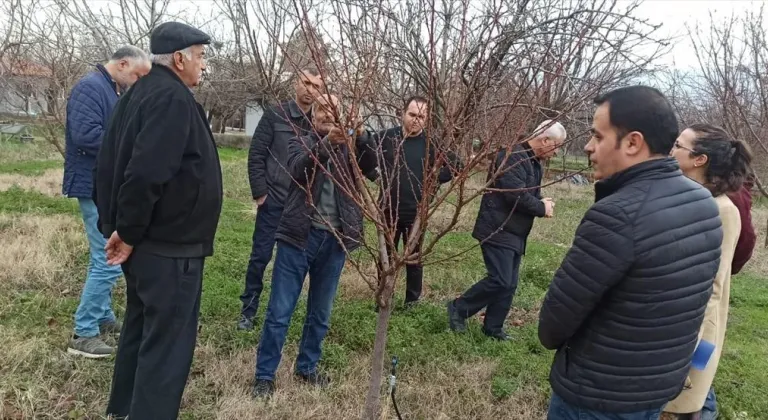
column 159, row 194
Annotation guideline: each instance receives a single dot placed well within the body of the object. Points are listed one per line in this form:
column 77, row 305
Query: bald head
column 127, row 65
column 548, row 138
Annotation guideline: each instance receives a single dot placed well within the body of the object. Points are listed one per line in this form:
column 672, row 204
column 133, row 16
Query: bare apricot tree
column 491, row 72
column 729, row 86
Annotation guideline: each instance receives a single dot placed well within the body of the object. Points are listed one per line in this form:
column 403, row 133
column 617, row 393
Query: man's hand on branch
column 549, row 206
column 337, row 136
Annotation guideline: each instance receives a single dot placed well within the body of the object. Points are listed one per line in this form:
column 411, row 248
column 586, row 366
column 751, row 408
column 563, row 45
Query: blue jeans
column 323, row 259
column 96, row 300
column 267, row 219
column 561, row 410
column 709, row 411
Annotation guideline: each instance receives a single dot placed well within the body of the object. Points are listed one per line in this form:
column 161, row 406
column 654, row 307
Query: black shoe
column 455, row 321
column 245, row 324
column 314, row 378
column 263, row 388
column 497, row 335
column 411, row 304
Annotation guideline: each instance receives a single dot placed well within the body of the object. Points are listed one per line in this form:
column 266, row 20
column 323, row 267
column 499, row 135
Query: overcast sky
column 675, row 14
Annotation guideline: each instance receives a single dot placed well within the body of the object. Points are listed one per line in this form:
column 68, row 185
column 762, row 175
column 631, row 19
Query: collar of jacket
column 526, row 148
column 296, row 112
column 103, row 70
column 165, row 72
column 650, row 169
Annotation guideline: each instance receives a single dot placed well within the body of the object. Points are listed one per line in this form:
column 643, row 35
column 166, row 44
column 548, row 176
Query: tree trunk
column 372, row 406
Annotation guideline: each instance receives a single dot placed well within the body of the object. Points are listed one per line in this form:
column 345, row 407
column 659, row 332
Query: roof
column 24, row 68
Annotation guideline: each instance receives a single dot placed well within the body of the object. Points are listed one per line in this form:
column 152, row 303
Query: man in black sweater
column 625, row 307
column 269, row 179
column 503, row 223
column 407, row 155
column 159, row 195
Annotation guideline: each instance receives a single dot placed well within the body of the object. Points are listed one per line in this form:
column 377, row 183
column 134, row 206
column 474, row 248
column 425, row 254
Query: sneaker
column 314, row 378
column 263, row 388
column 455, row 321
column 245, row 324
column 90, row 347
column 110, row 327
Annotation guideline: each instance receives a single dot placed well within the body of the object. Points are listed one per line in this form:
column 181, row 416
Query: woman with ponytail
column 709, row 156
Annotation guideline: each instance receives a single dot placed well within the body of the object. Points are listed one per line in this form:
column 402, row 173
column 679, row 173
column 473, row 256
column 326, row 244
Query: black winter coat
column 625, row 307
column 268, row 154
column 296, row 220
column 158, row 178
column 506, row 217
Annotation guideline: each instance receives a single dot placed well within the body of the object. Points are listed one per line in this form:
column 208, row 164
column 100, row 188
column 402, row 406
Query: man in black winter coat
column 406, row 154
column 503, row 223
column 625, row 307
column 320, row 224
column 159, row 195
column 269, row 179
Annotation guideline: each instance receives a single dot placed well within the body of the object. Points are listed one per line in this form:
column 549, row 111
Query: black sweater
column 403, row 175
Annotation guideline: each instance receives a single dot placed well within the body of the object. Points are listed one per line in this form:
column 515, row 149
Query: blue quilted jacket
column 88, row 109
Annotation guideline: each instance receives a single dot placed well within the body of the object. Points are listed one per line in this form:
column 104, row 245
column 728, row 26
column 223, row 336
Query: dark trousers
column 323, row 259
column 496, row 290
column 267, row 219
column 159, row 333
column 414, row 273
column 561, row 410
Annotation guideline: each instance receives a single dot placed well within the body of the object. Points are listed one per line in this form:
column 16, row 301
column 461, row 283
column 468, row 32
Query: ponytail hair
column 728, row 159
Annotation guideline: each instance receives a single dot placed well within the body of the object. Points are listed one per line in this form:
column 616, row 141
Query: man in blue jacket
column 89, row 107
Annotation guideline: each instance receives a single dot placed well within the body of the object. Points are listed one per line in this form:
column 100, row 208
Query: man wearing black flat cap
column 159, row 194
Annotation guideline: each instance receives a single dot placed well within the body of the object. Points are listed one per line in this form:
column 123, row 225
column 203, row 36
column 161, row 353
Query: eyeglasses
column 680, row 146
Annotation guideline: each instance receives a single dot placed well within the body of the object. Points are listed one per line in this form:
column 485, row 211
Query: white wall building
column 253, row 113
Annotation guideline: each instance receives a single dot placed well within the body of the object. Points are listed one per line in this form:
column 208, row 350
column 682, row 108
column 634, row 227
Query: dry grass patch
column 37, row 252
column 38, row 380
column 351, row 284
column 14, row 151
column 456, row 391
column 49, row 183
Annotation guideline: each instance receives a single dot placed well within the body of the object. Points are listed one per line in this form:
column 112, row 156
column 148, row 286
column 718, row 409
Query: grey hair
column 167, row 59
column 553, row 130
column 129, row 52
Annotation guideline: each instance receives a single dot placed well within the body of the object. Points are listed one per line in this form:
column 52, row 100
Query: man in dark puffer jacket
column 625, row 307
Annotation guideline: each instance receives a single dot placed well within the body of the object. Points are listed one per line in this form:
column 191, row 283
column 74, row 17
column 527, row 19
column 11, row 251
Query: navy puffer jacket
column 625, row 307
column 89, row 107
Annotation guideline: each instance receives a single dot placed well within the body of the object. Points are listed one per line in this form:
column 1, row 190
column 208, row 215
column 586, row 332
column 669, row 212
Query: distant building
column 23, row 86
column 253, row 113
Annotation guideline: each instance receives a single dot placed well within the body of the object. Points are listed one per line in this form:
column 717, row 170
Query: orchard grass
column 43, row 258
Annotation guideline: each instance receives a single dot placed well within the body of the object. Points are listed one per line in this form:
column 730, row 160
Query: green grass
column 16, row 200
column 436, row 366
column 29, row 168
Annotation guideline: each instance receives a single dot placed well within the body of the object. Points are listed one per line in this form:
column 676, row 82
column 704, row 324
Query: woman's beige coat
column 697, row 386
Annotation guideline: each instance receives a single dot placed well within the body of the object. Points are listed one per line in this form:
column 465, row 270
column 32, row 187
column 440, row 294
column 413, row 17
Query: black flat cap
column 170, row 37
